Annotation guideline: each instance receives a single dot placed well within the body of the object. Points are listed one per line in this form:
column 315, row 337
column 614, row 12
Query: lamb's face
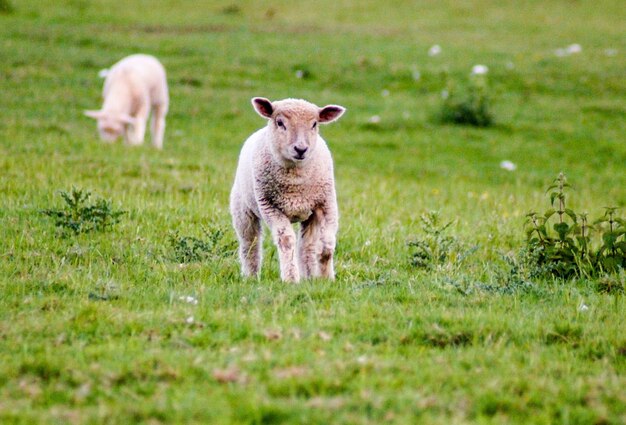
column 294, row 135
column 293, row 126
column 110, row 128
column 110, row 125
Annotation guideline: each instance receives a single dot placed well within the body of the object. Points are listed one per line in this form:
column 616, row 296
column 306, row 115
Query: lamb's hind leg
column 248, row 228
column 328, row 240
column 158, row 125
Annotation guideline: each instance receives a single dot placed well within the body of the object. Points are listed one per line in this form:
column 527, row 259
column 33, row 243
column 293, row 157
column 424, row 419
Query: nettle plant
column 81, row 216
column 563, row 241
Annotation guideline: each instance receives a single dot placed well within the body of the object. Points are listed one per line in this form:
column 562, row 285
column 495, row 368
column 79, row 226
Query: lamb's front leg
column 309, row 246
column 285, row 239
column 136, row 131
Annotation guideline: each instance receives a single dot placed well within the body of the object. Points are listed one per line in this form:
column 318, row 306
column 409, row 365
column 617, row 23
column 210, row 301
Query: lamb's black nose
column 300, row 151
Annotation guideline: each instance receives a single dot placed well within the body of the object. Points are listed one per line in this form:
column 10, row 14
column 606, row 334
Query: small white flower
column 188, row 299
column 434, row 50
column 480, row 69
column 610, row 52
column 508, row 165
column 384, row 93
column 361, row 359
column 368, row 243
column 299, row 73
column 569, row 50
column 417, row 75
column 189, row 320
column 103, row 73
column 444, row 94
column 574, row 48
column 583, row 306
column 374, row 119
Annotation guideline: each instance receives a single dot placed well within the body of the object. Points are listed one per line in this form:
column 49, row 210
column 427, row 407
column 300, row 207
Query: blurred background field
column 97, row 327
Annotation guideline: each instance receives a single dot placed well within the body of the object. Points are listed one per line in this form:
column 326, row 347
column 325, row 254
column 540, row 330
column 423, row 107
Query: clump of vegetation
column 81, row 216
column 612, row 253
column 561, row 240
column 436, row 248
column 612, row 284
column 231, row 9
column 467, row 105
column 189, row 249
column 190, row 81
column 105, row 290
column 6, row 7
column 515, row 276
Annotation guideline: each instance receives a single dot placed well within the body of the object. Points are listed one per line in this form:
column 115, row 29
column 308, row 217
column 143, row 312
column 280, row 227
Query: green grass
column 92, row 327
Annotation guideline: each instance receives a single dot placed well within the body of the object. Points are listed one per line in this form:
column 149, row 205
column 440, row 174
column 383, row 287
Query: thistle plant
column 189, row 249
column 437, row 248
column 80, row 216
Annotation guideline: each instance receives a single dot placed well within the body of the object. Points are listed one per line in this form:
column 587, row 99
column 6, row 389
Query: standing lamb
column 133, row 87
column 284, row 176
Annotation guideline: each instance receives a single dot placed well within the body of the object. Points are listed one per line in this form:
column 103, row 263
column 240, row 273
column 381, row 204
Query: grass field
column 96, row 328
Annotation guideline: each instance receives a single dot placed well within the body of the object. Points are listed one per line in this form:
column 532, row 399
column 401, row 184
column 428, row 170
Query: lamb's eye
column 281, row 124
column 314, row 125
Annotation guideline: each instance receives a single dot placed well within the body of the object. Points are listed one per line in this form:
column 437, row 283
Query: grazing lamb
column 133, row 87
column 284, row 176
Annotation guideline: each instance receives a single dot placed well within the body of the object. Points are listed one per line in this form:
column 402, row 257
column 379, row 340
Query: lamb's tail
column 103, row 73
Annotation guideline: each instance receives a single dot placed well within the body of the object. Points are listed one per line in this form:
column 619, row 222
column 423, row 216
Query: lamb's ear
column 263, row 107
column 330, row 113
column 94, row 114
column 127, row 119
